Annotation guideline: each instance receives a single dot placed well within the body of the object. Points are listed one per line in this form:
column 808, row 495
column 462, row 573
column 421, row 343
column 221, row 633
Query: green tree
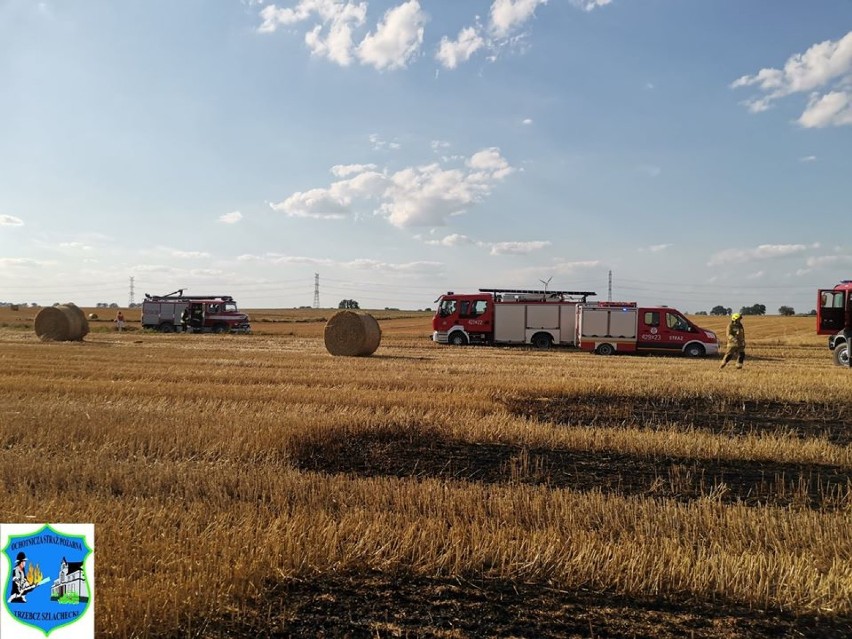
column 786, row 311
column 720, row 310
column 351, row 304
column 754, row 309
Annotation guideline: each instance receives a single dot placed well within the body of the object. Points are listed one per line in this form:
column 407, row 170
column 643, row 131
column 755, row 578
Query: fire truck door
column 830, row 312
column 476, row 315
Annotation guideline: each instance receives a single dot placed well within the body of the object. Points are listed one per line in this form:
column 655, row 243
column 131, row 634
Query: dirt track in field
column 406, row 451
column 381, row 605
column 725, row 416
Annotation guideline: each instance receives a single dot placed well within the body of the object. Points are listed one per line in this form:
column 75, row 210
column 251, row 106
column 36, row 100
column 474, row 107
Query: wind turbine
column 546, row 282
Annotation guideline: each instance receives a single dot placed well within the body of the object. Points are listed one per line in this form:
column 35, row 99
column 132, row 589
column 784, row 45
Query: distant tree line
column 351, row 304
column 754, row 309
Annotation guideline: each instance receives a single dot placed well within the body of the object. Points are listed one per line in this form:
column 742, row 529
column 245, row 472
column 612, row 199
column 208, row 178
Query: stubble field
column 255, row 486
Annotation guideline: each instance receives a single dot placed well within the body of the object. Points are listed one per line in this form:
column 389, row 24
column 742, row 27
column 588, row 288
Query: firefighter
column 736, row 341
column 20, row 585
column 184, row 319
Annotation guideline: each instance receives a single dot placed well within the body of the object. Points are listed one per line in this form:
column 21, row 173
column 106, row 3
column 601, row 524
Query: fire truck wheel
column 167, row 328
column 458, row 339
column 542, row 341
column 220, row 328
column 605, row 349
column 694, row 350
column 841, row 355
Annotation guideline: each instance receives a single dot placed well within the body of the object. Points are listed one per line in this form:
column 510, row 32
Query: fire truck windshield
column 229, row 307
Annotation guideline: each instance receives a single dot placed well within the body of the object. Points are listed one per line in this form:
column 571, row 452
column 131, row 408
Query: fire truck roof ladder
column 583, row 294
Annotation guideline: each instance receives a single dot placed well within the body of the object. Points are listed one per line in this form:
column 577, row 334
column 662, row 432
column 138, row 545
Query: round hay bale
column 93, row 316
column 62, row 323
column 352, row 334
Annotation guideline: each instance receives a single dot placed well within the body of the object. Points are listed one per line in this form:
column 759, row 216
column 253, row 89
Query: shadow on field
column 410, row 451
column 721, row 415
column 372, row 604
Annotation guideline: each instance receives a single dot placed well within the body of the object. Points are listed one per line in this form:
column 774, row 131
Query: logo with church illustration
column 47, row 587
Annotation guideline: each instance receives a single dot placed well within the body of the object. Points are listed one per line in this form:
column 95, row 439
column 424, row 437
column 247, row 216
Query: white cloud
column 454, row 239
column 231, row 218
column 343, row 170
column 526, row 121
column 397, row 38
column 75, row 246
column 808, row 158
column 451, row 52
column 756, row 275
column 828, row 260
column 517, row 248
column 834, row 108
column 188, row 255
column 508, row 15
column 590, row 5
column 379, row 144
column 437, row 145
column 824, row 65
column 656, row 248
column 331, row 36
column 10, row 220
column 415, row 196
column 316, row 203
column 762, row 252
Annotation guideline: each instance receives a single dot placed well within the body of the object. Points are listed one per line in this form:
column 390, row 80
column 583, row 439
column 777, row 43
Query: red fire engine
column 547, row 318
column 834, row 311
column 207, row 313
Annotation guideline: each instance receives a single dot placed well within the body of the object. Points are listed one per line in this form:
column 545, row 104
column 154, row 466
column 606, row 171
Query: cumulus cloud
column 526, row 121
column 343, row 170
column 231, row 218
column 828, row 260
column 824, row 71
column 332, row 34
column 517, row 248
column 762, row 252
column 415, row 196
column 452, row 52
column 188, row 255
column 10, row 220
column 396, row 39
column 834, row 108
column 509, row 15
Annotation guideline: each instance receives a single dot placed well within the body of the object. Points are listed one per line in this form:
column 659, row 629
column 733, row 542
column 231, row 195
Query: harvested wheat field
column 256, row 486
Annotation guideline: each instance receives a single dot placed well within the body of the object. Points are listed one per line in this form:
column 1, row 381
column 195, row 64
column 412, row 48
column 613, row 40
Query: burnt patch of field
column 427, row 453
column 723, row 415
column 372, row 604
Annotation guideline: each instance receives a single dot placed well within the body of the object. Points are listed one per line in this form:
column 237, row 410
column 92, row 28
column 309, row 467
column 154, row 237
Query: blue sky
column 698, row 150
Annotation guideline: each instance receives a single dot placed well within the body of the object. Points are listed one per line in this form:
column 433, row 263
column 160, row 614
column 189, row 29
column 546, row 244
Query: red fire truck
column 207, row 313
column 623, row 327
column 547, row 318
column 834, row 306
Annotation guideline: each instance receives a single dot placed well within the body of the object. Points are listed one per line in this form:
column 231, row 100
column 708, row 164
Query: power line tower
column 316, row 290
column 609, row 288
column 132, row 298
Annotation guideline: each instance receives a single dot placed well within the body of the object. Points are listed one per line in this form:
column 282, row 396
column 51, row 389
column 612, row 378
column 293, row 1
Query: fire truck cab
column 834, row 313
column 207, row 313
column 606, row 328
